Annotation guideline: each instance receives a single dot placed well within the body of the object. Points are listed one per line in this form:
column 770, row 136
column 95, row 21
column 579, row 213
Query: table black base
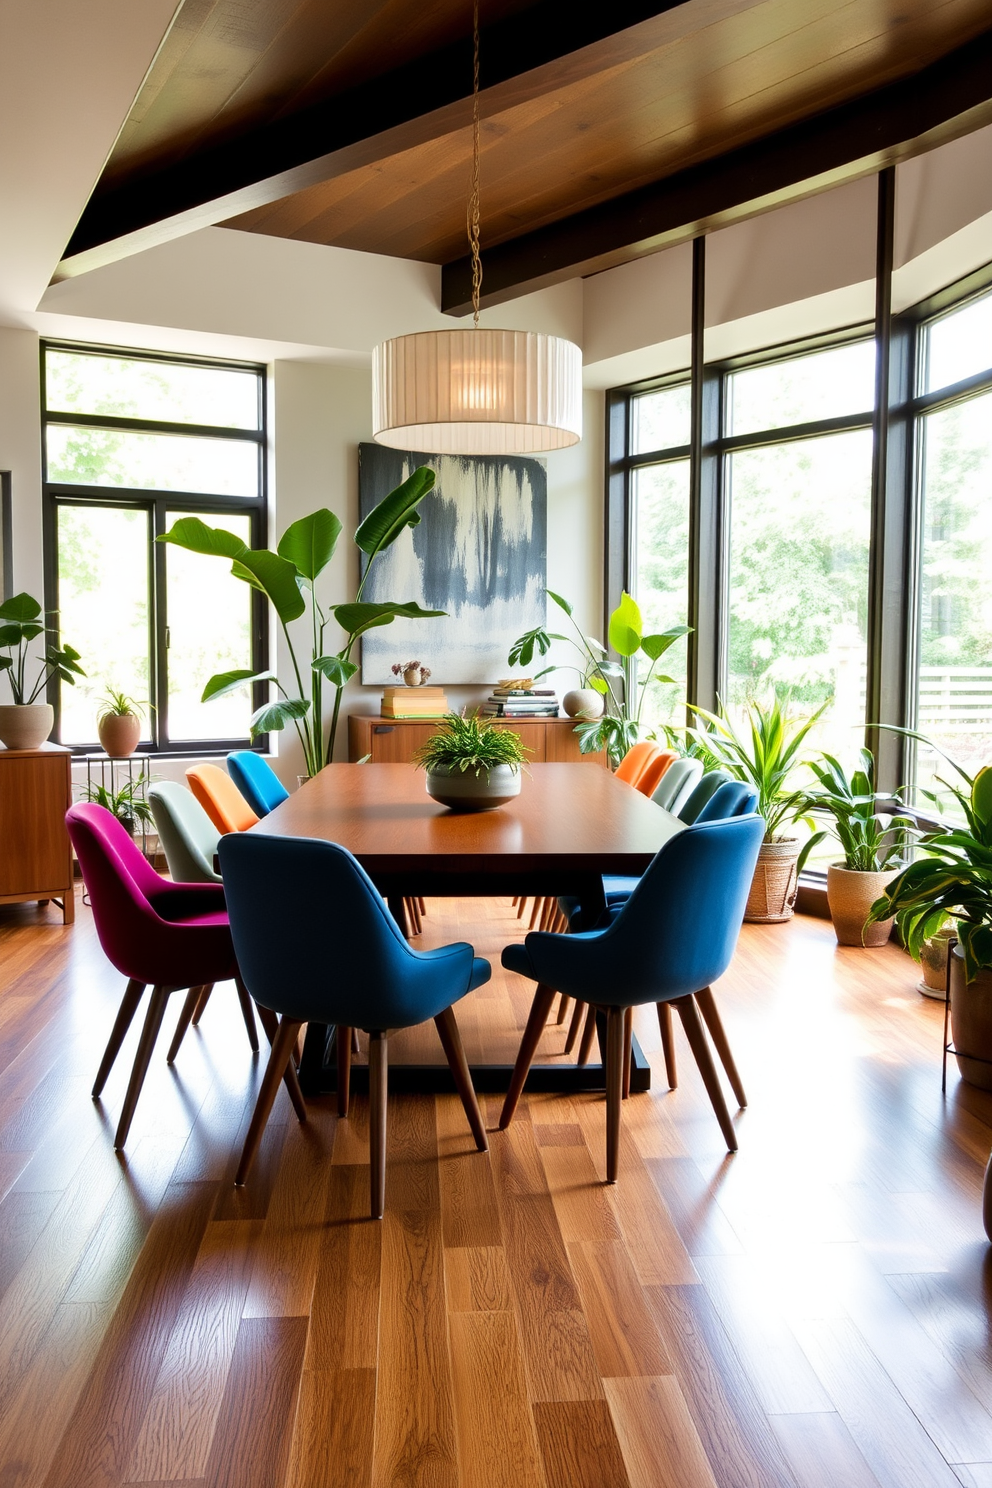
column 318, row 1073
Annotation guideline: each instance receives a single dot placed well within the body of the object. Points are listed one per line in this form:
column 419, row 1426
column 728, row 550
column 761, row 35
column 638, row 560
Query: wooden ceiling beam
column 950, row 97
column 522, row 57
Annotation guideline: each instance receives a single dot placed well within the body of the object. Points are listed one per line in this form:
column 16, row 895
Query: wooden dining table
column 571, row 824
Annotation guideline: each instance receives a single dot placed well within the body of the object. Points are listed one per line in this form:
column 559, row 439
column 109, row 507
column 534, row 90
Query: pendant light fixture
column 478, row 391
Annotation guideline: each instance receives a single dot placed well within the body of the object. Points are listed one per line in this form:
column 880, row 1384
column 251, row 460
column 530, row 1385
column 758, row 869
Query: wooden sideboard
column 35, row 855
column 391, row 741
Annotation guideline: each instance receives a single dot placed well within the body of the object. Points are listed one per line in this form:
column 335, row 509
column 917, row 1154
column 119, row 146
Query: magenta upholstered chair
column 156, row 933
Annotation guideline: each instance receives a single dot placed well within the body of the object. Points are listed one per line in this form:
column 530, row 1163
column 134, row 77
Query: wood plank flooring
column 814, row 1311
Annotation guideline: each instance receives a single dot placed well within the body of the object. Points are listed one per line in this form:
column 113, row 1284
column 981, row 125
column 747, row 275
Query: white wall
column 20, row 452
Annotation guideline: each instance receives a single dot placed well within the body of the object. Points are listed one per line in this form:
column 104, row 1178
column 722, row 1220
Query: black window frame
column 155, row 504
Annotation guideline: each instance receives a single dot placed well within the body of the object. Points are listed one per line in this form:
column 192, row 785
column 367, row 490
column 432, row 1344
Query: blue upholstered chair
column 315, row 942
column 256, row 780
column 706, row 787
column 672, row 938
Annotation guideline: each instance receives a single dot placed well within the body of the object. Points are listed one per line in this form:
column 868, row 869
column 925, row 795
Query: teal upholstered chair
column 189, row 838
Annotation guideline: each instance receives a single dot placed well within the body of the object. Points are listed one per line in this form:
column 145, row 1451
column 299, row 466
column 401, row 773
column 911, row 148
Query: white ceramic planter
column 26, row 725
column 583, row 702
column 463, row 790
column 850, row 895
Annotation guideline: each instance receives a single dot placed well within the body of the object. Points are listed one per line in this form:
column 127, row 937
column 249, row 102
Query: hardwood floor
column 814, row 1311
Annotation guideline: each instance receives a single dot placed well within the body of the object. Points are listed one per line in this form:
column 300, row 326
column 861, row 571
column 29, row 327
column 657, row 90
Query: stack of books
column 519, row 702
column 414, row 702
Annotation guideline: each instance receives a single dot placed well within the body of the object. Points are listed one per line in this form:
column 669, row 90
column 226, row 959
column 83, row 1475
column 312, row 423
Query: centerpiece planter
column 466, row 790
column 850, row 895
column 472, row 765
column 971, row 1021
column 26, row 725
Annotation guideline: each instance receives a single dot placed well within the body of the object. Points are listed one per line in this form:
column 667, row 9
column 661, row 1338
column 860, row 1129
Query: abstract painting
column 479, row 552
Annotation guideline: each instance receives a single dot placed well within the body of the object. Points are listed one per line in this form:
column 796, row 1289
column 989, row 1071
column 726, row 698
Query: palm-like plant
column 288, row 578
column 766, row 756
column 871, row 842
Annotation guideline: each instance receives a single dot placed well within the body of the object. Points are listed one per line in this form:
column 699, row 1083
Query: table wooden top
column 566, row 816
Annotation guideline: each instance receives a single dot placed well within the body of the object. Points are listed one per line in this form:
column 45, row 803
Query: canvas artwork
column 479, row 553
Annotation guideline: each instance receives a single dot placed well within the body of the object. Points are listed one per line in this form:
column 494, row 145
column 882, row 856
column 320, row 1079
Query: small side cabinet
column 392, row 741
column 35, row 855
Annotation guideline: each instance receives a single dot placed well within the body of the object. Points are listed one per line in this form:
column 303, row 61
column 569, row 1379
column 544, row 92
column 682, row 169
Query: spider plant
column 471, row 744
column 127, row 803
column 765, row 754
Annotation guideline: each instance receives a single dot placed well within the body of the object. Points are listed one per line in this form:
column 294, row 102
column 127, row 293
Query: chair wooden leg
column 185, row 1018
column 578, row 1013
column 521, row 907
column 246, row 1005
column 563, row 1008
column 343, row 1040
column 270, row 1025
column 451, row 1043
column 378, row 1084
column 421, row 905
column 535, row 914
column 628, row 1050
column 279, row 1062
column 668, row 1043
column 548, row 914
column 201, row 1006
column 123, row 1021
column 153, row 1022
column 539, row 1010
column 356, row 1047
column 615, row 1040
column 686, row 1008
column 585, row 1048
column 711, row 1017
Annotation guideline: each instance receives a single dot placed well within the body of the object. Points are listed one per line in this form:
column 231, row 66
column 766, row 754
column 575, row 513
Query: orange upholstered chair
column 650, row 778
column 220, row 798
column 636, row 761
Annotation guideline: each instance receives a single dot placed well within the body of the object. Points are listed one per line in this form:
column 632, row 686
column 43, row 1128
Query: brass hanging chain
column 472, row 223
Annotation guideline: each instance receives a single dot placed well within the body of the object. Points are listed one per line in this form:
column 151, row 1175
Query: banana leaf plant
column 619, row 682
column 20, row 624
column 288, row 578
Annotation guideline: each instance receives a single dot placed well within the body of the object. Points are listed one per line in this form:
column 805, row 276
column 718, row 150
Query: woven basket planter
column 772, row 895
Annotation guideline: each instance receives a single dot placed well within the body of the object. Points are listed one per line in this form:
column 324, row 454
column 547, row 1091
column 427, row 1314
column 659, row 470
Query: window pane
column 661, row 537
column 153, row 462
column 799, row 580
column 955, row 646
column 209, row 617
column 178, row 394
column 103, row 603
column 825, row 384
column 959, row 345
column 660, row 420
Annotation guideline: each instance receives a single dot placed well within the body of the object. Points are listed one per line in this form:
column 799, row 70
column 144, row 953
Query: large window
column 133, row 441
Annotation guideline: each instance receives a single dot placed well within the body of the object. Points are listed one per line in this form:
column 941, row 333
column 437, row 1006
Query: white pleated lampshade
column 477, row 392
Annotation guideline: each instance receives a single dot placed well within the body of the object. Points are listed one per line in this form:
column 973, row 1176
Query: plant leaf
column 272, row 717
column 562, row 604
column 223, row 682
column 334, row 668
column 196, row 537
column 625, row 626
column 20, row 608
column 355, row 619
column 386, row 521
column 654, row 646
column 276, row 578
column 310, row 542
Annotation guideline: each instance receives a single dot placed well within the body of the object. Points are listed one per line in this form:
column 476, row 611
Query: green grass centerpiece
column 472, row 765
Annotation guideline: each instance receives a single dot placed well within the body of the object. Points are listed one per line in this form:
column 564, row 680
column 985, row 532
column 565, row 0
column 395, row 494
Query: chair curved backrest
column 734, row 798
column 706, row 787
column 220, row 798
column 677, row 783
column 316, row 942
column 636, row 761
column 256, row 780
column 655, row 771
column 138, row 915
column 676, row 933
column 189, row 838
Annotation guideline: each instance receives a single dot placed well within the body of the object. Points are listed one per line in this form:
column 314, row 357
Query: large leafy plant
column 871, row 840
column 619, row 682
column 766, row 754
column 20, row 624
column 288, row 578
column 471, row 744
column 952, row 878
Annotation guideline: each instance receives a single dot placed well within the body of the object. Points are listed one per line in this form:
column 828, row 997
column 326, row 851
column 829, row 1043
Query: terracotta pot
column 583, row 702
column 26, row 725
column 463, row 790
column 933, row 961
column 850, row 895
column 772, row 896
column 119, row 734
column 971, row 1022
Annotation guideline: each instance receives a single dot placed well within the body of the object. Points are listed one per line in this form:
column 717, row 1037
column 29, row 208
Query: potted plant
column 26, row 723
column 766, row 756
column 288, row 579
column 872, row 842
column 610, row 685
column 126, row 802
column 118, row 723
column 471, row 764
column 953, row 877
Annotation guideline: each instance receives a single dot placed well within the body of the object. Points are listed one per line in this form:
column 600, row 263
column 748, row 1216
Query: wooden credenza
column 391, row 741
column 35, row 855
